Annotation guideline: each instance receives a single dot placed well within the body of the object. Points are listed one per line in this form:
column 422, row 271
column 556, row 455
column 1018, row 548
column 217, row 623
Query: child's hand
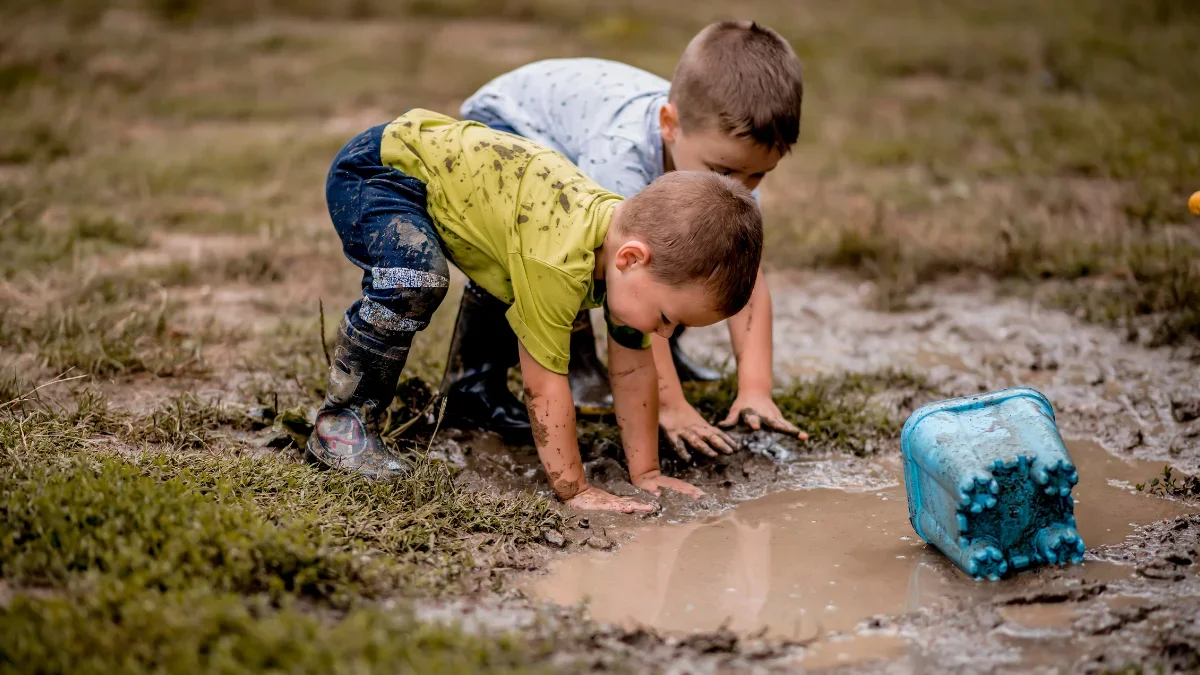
column 595, row 499
column 654, row 482
column 684, row 426
column 757, row 409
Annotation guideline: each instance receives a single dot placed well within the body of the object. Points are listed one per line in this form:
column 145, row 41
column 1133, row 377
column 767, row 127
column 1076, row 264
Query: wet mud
column 740, row 581
column 814, row 565
column 967, row 338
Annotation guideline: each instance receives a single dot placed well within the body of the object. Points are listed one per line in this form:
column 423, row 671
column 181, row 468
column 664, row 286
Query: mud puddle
column 815, row 565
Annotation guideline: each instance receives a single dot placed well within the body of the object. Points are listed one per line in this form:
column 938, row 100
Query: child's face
column 709, row 150
column 637, row 300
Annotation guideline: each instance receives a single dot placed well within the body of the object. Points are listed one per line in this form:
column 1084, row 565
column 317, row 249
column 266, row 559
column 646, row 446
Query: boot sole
column 314, row 460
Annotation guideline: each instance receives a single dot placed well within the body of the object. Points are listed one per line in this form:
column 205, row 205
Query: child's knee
column 429, row 296
column 402, row 299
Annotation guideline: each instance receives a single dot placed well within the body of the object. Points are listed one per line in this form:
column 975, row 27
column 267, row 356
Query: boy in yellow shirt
column 529, row 229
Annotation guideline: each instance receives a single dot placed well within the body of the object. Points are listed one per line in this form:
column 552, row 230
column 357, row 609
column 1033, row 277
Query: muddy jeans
column 381, row 217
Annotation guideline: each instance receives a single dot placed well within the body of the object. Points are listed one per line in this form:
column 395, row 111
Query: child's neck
column 668, row 160
column 607, row 246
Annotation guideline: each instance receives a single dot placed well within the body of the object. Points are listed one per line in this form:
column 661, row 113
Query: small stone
column 1129, row 438
column 720, row 641
column 1185, row 440
column 554, row 538
column 600, row 543
column 1160, row 570
column 278, row 439
column 261, row 417
column 1185, row 409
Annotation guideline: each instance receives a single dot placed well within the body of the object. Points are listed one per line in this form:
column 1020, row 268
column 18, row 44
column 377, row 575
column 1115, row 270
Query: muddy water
column 813, row 564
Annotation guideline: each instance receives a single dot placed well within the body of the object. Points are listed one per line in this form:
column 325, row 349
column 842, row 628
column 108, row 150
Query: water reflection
column 814, row 563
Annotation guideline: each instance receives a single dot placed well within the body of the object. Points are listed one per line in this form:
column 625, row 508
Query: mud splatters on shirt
column 517, row 218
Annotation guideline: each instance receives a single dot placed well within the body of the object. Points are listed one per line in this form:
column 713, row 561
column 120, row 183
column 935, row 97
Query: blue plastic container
column 989, row 482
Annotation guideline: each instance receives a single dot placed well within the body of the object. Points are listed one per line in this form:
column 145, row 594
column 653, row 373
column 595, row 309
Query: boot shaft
column 365, row 368
column 483, row 344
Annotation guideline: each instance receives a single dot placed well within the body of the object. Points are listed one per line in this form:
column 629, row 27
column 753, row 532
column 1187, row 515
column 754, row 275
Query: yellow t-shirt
column 517, row 218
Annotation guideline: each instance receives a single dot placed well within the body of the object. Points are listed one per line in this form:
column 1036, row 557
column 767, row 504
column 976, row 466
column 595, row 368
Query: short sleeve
column 545, row 302
column 617, row 164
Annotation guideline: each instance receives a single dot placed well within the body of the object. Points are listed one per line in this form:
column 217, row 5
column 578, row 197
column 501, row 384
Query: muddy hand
column 654, row 482
column 685, row 427
column 595, row 499
column 757, row 411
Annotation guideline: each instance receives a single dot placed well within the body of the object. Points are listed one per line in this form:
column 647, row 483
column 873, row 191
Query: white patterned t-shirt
column 602, row 115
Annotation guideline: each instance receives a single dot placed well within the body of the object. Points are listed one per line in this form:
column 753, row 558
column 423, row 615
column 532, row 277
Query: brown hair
column 743, row 79
column 699, row 226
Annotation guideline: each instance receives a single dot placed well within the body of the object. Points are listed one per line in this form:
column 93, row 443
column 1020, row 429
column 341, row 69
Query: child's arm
column 750, row 333
column 680, row 421
column 635, row 398
column 552, row 416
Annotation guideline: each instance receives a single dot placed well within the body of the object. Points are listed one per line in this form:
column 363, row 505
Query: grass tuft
column 51, row 475
column 184, row 559
column 106, row 630
column 101, row 339
column 1172, row 483
column 837, row 411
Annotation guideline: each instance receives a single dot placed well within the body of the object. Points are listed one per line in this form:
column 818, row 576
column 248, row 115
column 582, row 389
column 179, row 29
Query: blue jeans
column 381, row 217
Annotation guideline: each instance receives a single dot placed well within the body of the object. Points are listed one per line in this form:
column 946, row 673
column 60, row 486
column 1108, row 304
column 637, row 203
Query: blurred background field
column 1053, row 144
column 162, row 214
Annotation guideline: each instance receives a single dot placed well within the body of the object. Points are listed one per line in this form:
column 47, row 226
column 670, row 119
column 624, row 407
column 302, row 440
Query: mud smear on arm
column 541, row 432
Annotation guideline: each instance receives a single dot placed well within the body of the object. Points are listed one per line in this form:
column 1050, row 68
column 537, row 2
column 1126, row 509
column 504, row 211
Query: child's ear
column 631, row 254
column 668, row 122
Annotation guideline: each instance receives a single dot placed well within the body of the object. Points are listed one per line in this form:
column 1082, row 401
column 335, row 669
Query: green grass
column 258, row 265
column 1172, row 483
column 110, row 519
column 425, row 516
column 928, row 112
column 1123, row 277
column 924, row 108
column 27, row 242
column 112, row 631
column 101, row 339
column 836, row 411
column 178, row 555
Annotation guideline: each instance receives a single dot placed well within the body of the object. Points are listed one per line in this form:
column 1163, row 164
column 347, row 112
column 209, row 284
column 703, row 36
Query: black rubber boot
column 588, row 376
column 688, row 369
column 362, row 383
column 482, row 350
